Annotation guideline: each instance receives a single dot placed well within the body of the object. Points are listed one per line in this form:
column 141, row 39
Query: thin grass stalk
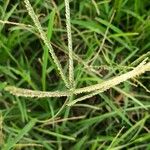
column 68, row 26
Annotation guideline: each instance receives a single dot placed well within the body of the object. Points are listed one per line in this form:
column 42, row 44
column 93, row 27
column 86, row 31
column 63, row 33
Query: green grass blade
column 56, row 134
column 11, row 143
column 46, row 53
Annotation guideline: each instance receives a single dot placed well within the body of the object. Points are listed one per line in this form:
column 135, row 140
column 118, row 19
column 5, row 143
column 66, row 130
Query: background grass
column 109, row 38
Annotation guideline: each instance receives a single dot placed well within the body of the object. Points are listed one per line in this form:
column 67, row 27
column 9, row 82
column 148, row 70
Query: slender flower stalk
column 68, row 26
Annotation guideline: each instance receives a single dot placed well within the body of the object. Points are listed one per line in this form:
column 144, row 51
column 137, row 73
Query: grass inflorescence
column 74, row 74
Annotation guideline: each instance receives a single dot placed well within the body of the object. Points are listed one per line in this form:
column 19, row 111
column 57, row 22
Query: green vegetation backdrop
column 74, row 74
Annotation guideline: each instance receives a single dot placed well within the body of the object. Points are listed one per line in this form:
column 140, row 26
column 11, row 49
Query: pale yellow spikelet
column 99, row 88
column 141, row 68
column 31, row 93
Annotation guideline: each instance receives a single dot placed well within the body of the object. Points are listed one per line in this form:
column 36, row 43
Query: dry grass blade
column 27, row 145
column 59, row 120
column 15, row 23
column 45, row 40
